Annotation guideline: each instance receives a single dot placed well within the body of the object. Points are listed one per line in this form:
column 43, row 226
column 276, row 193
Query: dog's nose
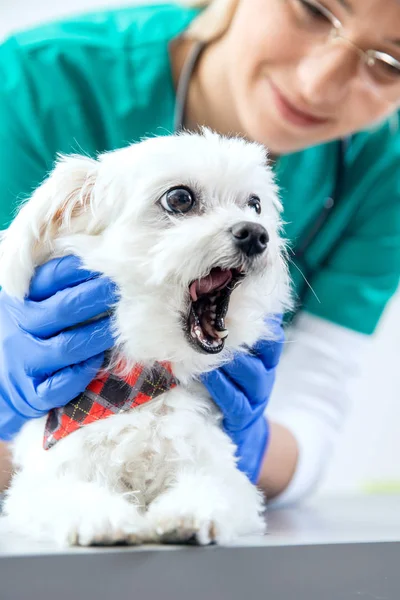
column 250, row 238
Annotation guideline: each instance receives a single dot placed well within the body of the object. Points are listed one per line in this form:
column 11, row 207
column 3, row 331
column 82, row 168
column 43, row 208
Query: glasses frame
column 369, row 57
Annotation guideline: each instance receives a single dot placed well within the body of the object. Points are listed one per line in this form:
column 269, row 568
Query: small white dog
column 177, row 222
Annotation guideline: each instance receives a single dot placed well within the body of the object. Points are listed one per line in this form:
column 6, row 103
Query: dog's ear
column 62, row 203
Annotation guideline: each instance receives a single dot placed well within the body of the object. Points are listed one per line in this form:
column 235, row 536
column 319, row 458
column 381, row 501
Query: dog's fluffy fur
column 166, row 470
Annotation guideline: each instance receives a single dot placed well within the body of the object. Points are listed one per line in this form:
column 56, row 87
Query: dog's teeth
column 222, row 334
column 198, row 331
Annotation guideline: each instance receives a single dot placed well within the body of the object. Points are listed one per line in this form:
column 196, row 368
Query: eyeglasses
column 314, row 18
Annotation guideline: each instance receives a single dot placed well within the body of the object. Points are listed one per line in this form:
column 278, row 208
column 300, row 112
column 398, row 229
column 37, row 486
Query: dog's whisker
column 306, row 280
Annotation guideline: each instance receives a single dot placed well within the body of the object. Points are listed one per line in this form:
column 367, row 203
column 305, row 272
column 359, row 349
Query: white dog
column 177, row 222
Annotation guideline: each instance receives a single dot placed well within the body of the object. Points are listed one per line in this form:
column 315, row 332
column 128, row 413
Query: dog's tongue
column 216, row 280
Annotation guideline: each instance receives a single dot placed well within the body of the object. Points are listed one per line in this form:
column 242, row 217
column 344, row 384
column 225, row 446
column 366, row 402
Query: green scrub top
column 101, row 81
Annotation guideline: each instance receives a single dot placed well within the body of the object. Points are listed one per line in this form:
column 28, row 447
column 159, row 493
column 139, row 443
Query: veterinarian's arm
column 280, row 461
column 5, row 466
column 309, row 403
column 327, row 342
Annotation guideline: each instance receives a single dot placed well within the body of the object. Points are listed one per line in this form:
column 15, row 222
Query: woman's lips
column 293, row 114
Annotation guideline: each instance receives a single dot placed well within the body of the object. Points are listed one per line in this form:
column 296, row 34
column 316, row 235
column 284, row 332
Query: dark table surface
column 330, row 549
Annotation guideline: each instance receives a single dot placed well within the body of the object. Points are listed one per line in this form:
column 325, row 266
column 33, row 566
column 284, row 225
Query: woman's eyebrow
column 346, row 5
column 395, row 42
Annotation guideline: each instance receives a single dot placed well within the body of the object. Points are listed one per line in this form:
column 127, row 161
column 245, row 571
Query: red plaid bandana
column 108, row 394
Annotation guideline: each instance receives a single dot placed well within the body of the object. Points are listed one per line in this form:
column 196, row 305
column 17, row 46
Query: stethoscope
column 298, row 253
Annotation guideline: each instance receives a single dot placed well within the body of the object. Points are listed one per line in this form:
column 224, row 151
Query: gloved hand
column 42, row 364
column 241, row 389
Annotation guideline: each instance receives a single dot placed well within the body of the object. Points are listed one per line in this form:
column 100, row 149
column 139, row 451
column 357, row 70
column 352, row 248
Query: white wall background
column 369, row 452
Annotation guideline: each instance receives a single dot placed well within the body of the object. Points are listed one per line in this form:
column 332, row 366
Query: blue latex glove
column 42, row 365
column 241, row 390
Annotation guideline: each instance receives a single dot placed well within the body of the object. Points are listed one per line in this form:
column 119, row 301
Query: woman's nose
column 325, row 75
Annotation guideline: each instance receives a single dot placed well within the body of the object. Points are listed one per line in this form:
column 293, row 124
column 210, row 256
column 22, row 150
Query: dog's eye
column 178, row 200
column 255, row 202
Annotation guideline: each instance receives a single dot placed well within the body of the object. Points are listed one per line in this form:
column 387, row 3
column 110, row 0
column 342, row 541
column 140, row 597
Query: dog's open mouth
column 210, row 297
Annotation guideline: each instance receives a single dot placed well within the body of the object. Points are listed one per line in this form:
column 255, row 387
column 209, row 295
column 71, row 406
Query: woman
column 317, row 82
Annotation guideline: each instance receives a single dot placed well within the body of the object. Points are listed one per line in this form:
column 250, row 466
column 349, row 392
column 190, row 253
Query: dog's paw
column 103, row 535
column 203, row 509
column 189, row 525
column 180, row 529
column 106, row 521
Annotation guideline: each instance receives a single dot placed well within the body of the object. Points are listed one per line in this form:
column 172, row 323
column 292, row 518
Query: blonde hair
column 213, row 21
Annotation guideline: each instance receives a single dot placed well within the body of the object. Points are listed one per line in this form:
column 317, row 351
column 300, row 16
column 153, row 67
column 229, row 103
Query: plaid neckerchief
column 108, row 394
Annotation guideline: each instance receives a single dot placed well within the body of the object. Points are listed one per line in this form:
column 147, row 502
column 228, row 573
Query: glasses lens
column 384, row 69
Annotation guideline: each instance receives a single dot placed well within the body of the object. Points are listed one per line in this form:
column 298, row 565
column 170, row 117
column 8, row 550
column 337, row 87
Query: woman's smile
column 291, row 112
